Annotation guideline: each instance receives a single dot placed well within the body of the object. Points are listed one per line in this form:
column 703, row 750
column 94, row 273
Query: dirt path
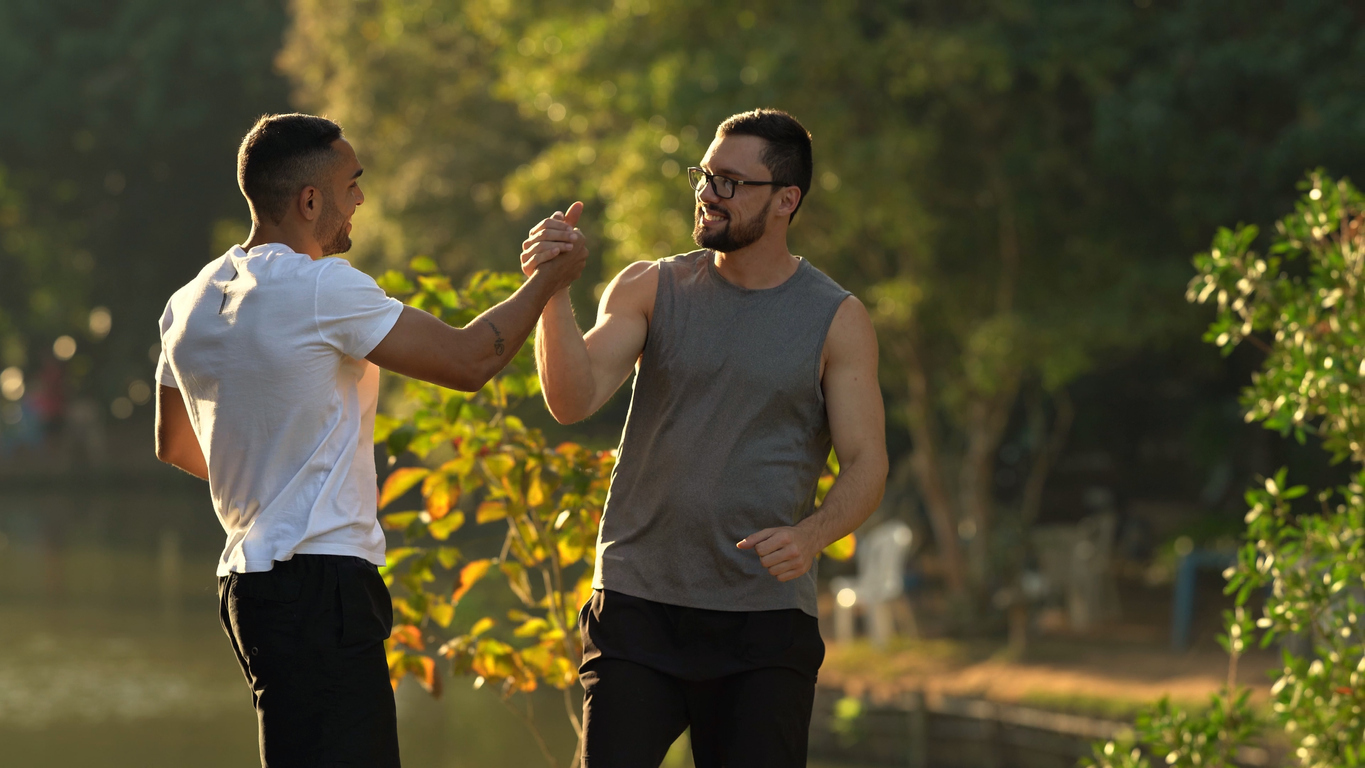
column 1088, row 676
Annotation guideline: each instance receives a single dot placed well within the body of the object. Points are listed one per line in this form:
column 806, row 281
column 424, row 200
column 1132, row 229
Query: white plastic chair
column 879, row 588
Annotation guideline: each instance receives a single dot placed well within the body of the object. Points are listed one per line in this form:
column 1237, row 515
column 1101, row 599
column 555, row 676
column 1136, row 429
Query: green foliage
column 1306, row 292
column 121, row 122
column 483, row 466
column 1005, row 183
column 1305, row 296
column 1207, row 739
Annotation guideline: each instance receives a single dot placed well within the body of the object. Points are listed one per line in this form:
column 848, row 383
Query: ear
column 310, row 203
column 787, row 200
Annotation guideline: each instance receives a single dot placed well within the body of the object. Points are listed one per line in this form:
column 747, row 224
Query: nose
column 359, row 196
column 708, row 194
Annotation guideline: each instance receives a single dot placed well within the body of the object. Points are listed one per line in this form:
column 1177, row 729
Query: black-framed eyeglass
column 723, row 186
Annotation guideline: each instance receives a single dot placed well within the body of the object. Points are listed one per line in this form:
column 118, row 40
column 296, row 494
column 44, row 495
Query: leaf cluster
column 1305, row 293
column 1209, row 738
column 1301, row 304
column 482, row 465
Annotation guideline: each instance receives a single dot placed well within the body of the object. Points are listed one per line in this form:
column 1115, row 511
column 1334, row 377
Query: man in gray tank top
column 750, row 364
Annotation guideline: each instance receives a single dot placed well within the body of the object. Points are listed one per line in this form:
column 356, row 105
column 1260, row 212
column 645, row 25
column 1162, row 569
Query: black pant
column 744, row 682
column 309, row 634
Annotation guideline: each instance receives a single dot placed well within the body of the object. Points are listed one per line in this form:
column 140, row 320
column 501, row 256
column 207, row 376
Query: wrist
column 813, row 533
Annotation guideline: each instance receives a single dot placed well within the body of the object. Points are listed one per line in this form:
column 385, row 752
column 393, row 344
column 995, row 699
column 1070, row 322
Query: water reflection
column 111, row 654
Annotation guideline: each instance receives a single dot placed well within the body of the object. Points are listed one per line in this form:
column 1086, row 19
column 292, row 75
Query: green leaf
column 448, row 556
column 397, row 521
column 384, row 425
column 395, row 283
column 423, row 265
column 399, row 438
column 442, row 528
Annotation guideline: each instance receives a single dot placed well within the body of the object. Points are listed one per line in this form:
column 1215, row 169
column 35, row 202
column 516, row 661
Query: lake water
column 111, row 654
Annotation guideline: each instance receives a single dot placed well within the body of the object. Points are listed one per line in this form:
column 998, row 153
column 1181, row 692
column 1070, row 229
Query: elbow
column 562, row 408
column 562, row 415
column 471, row 378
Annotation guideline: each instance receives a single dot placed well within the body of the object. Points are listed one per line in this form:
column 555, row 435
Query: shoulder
column 634, row 285
column 186, row 294
column 337, row 275
column 851, row 334
column 824, row 284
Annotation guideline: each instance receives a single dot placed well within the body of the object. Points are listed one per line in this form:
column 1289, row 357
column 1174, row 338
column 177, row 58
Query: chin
column 337, row 246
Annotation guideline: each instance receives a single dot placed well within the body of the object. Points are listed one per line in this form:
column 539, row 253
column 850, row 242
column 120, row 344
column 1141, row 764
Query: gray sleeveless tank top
column 726, row 435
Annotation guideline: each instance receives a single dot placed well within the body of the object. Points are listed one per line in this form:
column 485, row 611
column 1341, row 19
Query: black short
column 309, row 634
column 743, row 681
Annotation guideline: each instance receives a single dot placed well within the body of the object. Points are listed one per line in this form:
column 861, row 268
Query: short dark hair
column 281, row 155
column 787, row 156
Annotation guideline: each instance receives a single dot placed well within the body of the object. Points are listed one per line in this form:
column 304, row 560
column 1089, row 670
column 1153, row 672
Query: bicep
column 617, row 340
column 173, row 426
column 853, row 397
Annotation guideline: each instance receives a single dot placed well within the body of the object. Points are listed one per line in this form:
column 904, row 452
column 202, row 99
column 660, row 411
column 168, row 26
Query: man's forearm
column 854, row 496
column 500, row 331
column 566, row 377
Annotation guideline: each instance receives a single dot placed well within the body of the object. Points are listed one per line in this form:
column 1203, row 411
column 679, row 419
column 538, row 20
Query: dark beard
column 733, row 236
column 331, row 229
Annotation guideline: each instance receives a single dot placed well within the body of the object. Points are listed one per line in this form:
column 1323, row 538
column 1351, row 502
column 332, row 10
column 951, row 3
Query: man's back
column 267, row 349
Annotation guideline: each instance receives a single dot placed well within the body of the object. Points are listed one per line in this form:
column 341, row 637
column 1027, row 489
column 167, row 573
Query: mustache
column 713, row 209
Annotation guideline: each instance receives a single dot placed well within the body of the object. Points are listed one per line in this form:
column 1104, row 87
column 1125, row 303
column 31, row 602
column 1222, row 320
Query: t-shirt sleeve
column 353, row 313
column 164, row 374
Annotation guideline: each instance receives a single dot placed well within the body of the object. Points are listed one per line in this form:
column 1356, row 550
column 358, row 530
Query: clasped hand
column 552, row 238
column 786, row 552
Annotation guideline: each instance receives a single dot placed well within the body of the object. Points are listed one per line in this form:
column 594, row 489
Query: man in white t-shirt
column 269, row 377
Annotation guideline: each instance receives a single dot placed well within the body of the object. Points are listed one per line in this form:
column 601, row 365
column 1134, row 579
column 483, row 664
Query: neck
column 297, row 240
column 764, row 264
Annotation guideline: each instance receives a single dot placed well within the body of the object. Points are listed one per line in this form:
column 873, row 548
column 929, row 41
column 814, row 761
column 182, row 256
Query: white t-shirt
column 268, row 349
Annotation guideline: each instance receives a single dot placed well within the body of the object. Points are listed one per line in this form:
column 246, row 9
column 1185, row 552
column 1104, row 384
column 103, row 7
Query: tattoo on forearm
column 497, row 338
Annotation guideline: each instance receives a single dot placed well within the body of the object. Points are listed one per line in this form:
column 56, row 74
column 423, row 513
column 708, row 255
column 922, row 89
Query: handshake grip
column 556, row 248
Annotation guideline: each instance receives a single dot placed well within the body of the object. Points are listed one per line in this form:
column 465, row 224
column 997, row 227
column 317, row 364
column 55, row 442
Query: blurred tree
column 412, row 85
column 1008, row 184
column 120, row 128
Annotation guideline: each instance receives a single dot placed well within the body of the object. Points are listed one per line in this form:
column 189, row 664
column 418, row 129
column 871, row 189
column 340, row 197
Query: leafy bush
column 1305, row 295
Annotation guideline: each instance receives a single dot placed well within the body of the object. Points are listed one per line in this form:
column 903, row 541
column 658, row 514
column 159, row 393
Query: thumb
column 571, row 215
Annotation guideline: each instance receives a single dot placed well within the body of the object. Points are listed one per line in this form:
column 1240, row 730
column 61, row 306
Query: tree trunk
column 927, row 461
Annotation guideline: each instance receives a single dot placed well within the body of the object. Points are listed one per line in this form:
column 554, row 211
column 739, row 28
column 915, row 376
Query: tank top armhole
column 824, row 339
column 654, row 315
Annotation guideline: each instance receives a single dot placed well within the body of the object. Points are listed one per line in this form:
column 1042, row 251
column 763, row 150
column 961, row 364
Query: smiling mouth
column 713, row 215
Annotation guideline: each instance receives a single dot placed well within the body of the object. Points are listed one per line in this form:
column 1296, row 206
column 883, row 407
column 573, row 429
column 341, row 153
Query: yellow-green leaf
column 442, row 528
column 498, row 465
column 442, row 613
column 423, row 264
column 535, row 493
column 448, row 556
column 397, row 521
column 399, row 482
column 842, row 549
column 481, row 626
column 469, row 575
column 531, row 628
column 490, row 511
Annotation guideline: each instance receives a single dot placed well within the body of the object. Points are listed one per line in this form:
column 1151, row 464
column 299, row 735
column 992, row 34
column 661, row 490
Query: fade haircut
column 787, row 154
column 281, row 155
